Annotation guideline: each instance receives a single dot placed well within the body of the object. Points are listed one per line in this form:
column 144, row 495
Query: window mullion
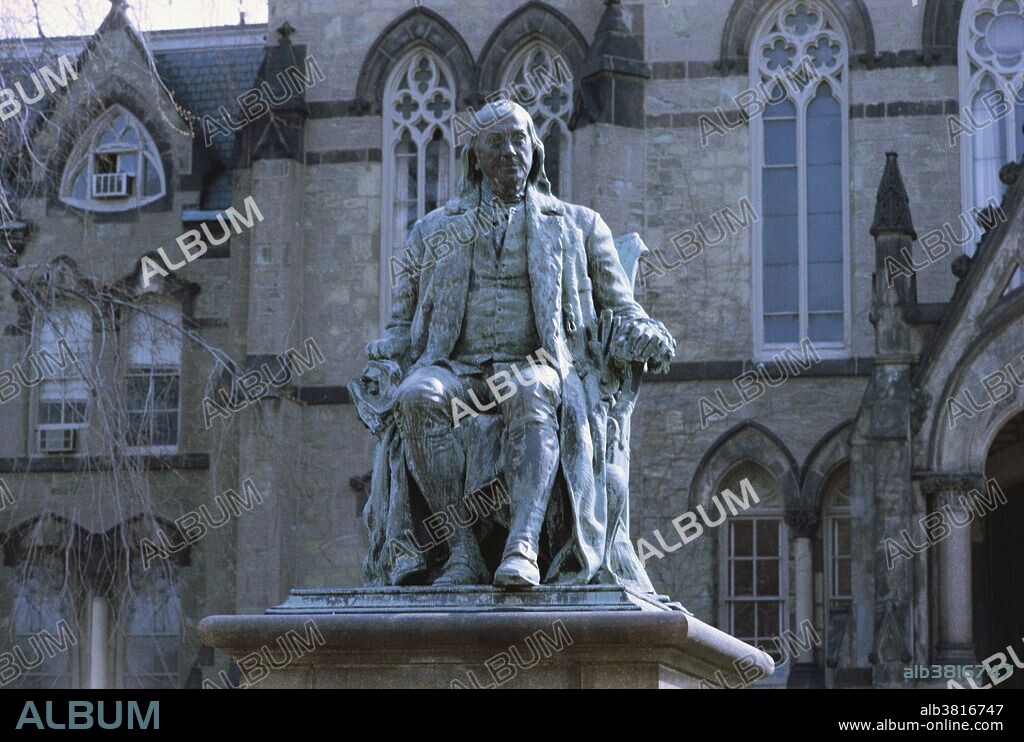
column 801, row 179
column 453, row 169
column 150, row 411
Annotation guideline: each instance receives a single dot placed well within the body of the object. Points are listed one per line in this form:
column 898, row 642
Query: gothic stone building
column 850, row 325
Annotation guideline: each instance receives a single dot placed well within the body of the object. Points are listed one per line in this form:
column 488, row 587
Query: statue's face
column 504, row 152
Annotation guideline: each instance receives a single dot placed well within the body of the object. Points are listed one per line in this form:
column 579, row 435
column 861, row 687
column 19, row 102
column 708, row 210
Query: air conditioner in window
column 111, row 185
column 58, row 440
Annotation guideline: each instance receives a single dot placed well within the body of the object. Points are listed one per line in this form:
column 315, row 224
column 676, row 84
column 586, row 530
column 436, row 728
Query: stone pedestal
column 479, row 637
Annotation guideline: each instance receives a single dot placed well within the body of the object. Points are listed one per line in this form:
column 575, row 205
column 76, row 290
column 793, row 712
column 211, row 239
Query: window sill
column 152, row 451
column 825, row 351
column 79, row 463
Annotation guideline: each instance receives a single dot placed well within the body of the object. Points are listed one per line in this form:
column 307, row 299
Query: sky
column 83, row 17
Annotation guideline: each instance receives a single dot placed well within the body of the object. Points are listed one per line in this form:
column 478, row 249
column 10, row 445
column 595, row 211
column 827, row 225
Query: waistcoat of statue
column 499, row 323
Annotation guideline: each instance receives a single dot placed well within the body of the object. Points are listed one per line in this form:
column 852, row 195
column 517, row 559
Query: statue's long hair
column 470, row 175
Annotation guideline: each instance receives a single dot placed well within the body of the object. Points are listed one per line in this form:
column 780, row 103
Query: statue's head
column 504, row 151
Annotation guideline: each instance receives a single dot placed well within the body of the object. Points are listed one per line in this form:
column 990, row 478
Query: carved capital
column 802, row 521
column 951, row 490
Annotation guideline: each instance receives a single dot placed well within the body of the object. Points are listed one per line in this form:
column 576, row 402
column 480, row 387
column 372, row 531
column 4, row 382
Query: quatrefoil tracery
column 423, row 100
column 797, row 31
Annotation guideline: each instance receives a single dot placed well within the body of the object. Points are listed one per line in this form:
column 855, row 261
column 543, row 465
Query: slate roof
column 203, row 80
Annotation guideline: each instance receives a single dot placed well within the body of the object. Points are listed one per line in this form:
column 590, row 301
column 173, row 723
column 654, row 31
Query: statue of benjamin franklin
column 535, row 278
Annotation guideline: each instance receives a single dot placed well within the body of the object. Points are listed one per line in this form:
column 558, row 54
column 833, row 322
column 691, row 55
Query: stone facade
column 852, row 437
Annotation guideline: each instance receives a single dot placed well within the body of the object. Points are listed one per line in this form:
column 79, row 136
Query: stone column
column 956, row 605
column 99, row 626
column 803, row 523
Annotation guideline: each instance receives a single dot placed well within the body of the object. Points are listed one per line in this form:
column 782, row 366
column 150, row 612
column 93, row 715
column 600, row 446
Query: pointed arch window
column 991, row 60
column 838, row 539
column 419, row 153
column 800, row 180
column 43, row 602
column 151, row 613
column 535, row 82
column 115, row 165
column 754, row 562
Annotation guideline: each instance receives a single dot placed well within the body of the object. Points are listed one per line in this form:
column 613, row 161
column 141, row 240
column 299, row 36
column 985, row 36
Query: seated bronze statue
column 511, row 361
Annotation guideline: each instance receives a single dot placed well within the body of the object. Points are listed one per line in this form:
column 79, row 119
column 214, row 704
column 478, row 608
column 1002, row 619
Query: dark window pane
column 842, row 531
column 165, row 391
column 105, row 164
column 138, row 392
column 406, row 188
column 75, row 412
column 768, row 619
column 767, row 577
column 50, row 413
column 743, row 577
column 743, row 620
column 768, row 537
column 165, row 429
column 844, row 577
column 436, row 185
column 553, row 160
column 742, row 538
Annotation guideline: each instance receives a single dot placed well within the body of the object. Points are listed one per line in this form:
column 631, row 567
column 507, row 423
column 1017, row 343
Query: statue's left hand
column 645, row 340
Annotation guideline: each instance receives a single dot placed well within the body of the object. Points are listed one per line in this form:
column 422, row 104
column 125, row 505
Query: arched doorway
column 999, row 602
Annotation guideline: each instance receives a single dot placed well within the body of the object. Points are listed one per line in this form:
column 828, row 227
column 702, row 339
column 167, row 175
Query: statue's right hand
column 381, row 349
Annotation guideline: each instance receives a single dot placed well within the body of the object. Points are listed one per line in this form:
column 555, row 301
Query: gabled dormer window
column 115, row 165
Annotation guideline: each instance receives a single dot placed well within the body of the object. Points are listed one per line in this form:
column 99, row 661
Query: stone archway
column 970, row 444
column 998, row 601
column 983, row 392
